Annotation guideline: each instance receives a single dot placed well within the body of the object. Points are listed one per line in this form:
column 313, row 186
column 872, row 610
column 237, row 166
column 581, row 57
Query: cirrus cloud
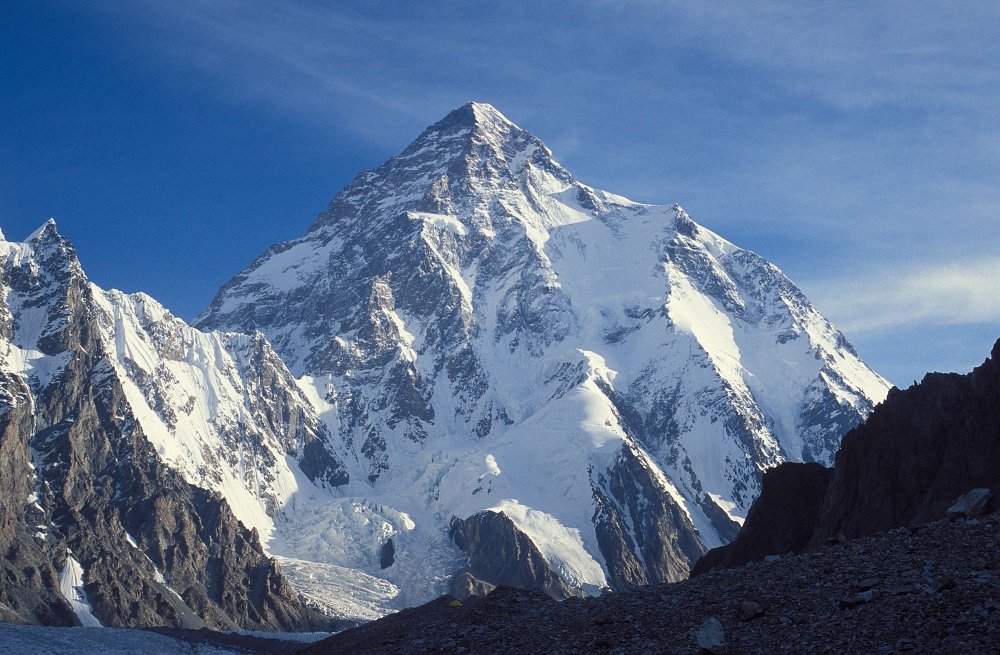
column 955, row 293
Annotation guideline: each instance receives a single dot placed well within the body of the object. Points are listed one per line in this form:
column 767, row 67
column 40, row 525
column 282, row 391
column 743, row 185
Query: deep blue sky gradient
column 162, row 188
column 855, row 145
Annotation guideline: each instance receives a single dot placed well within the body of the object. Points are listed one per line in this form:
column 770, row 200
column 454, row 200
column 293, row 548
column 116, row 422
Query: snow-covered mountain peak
column 473, row 150
column 220, row 408
column 473, row 322
column 481, row 122
column 46, row 244
column 477, row 115
column 45, row 241
column 122, row 412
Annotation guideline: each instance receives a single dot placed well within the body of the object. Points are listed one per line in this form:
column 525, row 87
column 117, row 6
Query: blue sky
column 855, row 145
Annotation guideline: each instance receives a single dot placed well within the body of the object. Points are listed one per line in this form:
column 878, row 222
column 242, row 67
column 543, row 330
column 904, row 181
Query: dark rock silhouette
column 781, row 521
column 387, row 554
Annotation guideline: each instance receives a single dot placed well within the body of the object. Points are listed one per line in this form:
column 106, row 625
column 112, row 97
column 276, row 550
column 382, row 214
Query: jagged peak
column 50, row 248
column 46, row 231
column 476, row 114
column 472, row 123
column 452, row 149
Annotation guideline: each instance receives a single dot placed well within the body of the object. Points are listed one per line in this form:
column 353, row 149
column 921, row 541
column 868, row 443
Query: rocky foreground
column 933, row 588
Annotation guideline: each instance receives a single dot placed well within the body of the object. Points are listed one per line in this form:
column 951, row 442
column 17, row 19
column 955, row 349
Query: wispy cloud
column 370, row 65
column 380, row 71
column 957, row 293
column 850, row 54
column 318, row 64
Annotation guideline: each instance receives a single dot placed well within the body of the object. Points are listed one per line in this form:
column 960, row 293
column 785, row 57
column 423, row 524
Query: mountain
column 906, row 465
column 127, row 443
column 527, row 380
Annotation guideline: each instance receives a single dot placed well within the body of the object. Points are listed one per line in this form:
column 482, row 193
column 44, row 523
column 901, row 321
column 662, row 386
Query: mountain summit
column 515, row 367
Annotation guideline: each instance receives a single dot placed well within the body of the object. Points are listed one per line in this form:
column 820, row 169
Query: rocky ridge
column 97, row 526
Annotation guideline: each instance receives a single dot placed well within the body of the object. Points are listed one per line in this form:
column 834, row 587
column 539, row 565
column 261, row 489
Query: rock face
column 95, row 526
column 481, row 331
column 500, row 554
column 916, row 454
column 30, row 581
column 662, row 543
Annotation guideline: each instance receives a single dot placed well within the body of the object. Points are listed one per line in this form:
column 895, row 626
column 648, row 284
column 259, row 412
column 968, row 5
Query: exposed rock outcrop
column 919, row 450
column 28, row 576
column 463, row 584
column 501, row 554
column 662, row 541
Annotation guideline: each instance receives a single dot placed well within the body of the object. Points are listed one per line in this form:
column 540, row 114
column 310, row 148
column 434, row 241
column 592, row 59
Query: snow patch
column 72, row 579
column 728, row 507
column 447, row 222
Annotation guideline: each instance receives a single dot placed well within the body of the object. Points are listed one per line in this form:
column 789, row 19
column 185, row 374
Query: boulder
column 975, row 503
column 710, row 637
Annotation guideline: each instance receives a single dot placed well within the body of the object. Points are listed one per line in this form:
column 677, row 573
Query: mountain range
column 472, row 370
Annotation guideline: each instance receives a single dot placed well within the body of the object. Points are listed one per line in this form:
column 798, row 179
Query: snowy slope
column 480, row 331
column 219, row 408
